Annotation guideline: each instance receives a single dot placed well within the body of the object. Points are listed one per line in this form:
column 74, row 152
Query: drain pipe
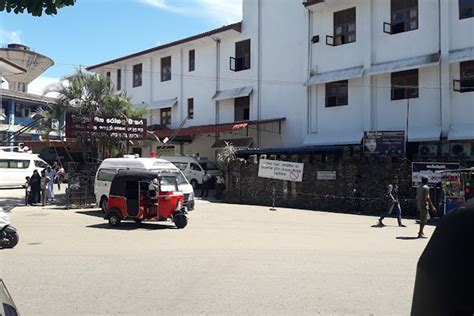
column 259, row 72
column 309, row 128
column 218, row 70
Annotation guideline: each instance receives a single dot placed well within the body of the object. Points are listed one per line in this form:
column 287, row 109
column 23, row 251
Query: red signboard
column 78, row 125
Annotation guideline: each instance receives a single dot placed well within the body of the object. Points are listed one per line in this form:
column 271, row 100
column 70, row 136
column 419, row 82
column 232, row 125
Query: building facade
column 313, row 74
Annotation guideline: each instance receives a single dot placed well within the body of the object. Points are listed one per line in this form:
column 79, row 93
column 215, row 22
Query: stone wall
column 245, row 187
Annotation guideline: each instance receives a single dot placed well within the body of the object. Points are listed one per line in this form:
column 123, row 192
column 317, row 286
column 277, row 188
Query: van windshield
column 180, row 179
column 208, row 165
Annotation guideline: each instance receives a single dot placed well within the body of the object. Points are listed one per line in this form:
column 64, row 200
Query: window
column 137, row 75
column 344, row 27
column 40, row 164
column 195, row 167
column 466, row 9
column 106, row 175
column 405, row 85
column 404, row 16
column 242, row 56
column 467, row 76
column 190, row 108
column 108, row 75
column 242, row 109
column 192, row 56
column 119, row 79
column 337, row 93
column 208, row 165
column 181, row 165
column 166, row 68
column 165, row 116
column 14, row 164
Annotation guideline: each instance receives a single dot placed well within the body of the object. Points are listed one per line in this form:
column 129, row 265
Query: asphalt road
column 231, row 259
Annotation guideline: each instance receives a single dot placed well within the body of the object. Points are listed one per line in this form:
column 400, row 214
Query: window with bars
column 190, row 108
column 467, row 76
column 166, row 68
column 466, row 9
column 404, row 16
column 192, row 60
column 337, row 93
column 405, row 85
column 344, row 27
column 137, row 75
column 241, row 61
column 119, row 79
column 165, row 116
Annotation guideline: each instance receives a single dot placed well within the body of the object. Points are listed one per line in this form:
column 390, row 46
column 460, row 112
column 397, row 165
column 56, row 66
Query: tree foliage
column 35, row 7
column 226, row 157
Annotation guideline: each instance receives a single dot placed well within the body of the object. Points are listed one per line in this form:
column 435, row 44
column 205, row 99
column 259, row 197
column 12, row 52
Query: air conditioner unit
column 263, row 156
column 460, row 149
column 253, row 159
column 273, row 157
column 428, row 150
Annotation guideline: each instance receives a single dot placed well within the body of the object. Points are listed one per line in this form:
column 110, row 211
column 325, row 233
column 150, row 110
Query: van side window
column 14, row 164
column 40, row 164
column 106, row 175
column 195, row 167
column 181, row 165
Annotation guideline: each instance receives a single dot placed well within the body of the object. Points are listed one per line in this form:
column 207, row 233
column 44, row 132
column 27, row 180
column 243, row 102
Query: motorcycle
column 8, row 235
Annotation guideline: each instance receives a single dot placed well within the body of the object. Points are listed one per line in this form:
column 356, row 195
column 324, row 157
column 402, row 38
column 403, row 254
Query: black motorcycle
column 8, row 235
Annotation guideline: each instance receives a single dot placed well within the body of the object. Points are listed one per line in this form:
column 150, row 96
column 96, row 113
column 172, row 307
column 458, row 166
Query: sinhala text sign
column 390, row 143
column 282, row 170
column 431, row 170
column 97, row 126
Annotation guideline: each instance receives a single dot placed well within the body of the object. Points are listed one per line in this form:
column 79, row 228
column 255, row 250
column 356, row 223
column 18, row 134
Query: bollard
column 273, row 208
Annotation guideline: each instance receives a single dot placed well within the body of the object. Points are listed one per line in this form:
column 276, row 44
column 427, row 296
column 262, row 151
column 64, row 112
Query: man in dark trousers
column 423, row 204
column 394, row 203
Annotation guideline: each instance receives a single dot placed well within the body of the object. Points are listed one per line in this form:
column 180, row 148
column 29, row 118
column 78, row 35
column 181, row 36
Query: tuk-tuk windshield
column 168, row 184
column 175, row 174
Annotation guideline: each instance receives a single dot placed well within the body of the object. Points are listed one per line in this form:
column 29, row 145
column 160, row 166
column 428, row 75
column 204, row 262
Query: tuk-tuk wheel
column 114, row 219
column 138, row 220
column 180, row 221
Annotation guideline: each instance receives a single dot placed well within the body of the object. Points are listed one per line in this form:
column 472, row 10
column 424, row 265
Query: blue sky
column 94, row 31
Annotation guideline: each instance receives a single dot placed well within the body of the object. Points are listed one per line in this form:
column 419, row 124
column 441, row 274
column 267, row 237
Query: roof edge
column 235, row 26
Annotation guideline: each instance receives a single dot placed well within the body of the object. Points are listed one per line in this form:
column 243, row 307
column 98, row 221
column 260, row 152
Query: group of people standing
column 39, row 188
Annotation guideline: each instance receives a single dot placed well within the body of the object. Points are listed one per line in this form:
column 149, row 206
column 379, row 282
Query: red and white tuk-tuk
column 143, row 195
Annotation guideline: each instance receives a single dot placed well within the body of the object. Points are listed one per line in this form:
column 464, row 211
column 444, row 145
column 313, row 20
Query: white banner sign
column 282, row 170
column 326, row 175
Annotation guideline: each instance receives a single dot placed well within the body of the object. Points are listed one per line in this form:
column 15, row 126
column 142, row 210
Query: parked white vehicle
column 15, row 167
column 194, row 168
column 111, row 166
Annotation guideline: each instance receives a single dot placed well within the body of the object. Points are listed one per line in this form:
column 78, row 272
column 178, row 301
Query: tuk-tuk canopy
column 118, row 183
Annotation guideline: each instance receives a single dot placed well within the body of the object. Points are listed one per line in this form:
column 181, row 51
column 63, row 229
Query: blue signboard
column 388, row 143
column 431, row 170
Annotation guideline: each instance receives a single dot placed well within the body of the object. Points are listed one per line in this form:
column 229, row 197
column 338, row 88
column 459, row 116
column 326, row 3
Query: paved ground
column 230, row 260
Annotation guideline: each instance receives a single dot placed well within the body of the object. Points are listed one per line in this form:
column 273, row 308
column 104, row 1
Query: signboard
column 281, row 170
column 326, row 175
column 431, row 170
column 111, row 127
column 390, row 143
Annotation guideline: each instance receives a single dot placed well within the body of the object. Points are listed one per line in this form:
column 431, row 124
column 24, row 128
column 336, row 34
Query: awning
column 332, row 76
column 461, row 55
column 232, row 93
column 215, row 128
column 236, row 142
column 461, row 132
column 334, row 137
column 163, row 104
column 404, row 64
column 289, row 150
column 424, row 134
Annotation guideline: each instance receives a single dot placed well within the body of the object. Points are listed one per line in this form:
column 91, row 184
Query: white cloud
column 8, row 37
column 40, row 84
column 221, row 11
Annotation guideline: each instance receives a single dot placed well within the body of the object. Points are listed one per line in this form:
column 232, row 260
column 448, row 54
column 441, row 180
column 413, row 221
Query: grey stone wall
column 245, row 187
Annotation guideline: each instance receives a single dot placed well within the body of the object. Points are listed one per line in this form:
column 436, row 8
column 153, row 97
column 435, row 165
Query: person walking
column 35, row 183
column 394, row 203
column 220, row 186
column 51, row 173
column 206, row 181
column 27, row 190
column 44, row 187
column 423, row 204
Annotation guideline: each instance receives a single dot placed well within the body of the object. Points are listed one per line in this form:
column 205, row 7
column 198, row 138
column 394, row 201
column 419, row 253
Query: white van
column 15, row 167
column 111, row 166
column 194, row 168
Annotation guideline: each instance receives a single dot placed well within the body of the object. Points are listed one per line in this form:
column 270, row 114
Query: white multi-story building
column 311, row 74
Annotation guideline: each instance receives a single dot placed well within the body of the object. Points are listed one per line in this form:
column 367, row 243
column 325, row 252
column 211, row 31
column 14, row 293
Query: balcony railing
column 463, row 85
column 239, row 63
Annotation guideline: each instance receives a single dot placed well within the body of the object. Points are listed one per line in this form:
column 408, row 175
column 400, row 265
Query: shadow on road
column 133, row 226
column 95, row 213
column 407, row 238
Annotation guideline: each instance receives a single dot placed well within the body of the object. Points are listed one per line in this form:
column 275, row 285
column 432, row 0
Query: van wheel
column 114, row 219
column 180, row 221
column 103, row 204
column 194, row 183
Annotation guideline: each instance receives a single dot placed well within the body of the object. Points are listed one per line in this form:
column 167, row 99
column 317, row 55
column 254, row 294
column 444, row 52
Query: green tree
column 35, row 7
